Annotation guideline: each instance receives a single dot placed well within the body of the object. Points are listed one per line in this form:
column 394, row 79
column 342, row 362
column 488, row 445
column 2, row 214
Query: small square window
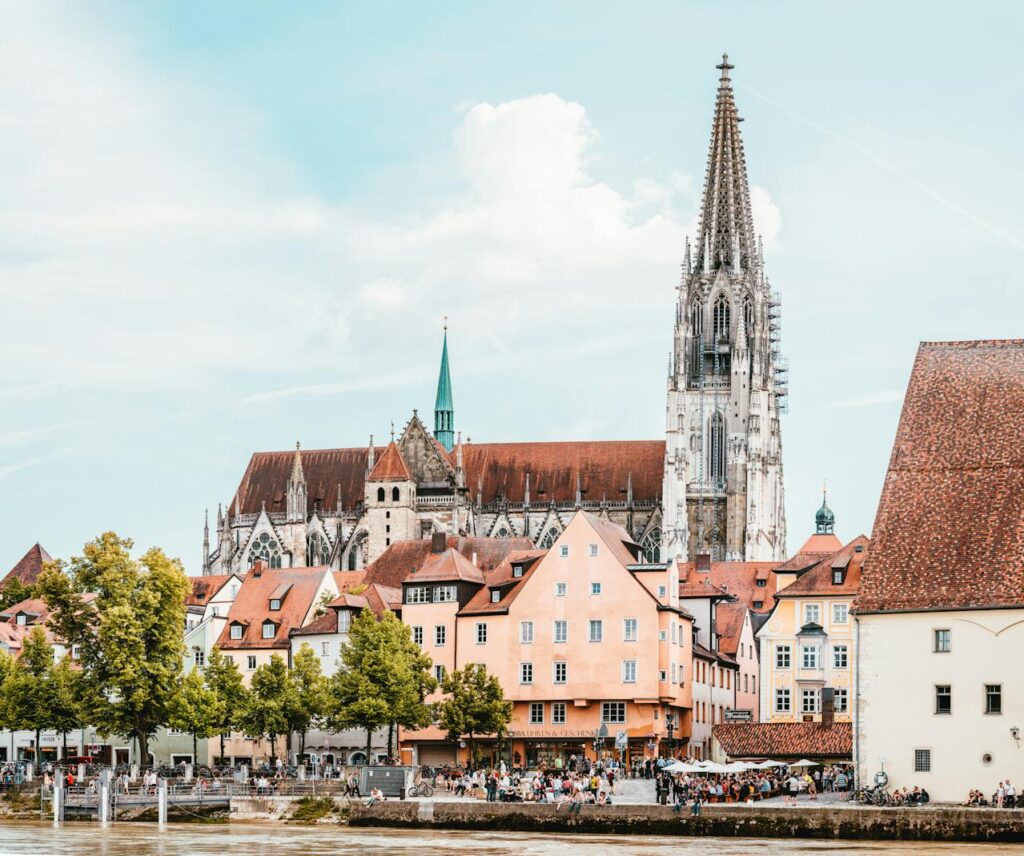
column 662, row 675
column 561, row 631
column 558, row 713
column 592, row 550
column 440, row 634
column 943, row 699
column 762, row 583
column 526, row 632
column 517, row 571
column 840, row 613
column 495, row 595
column 993, row 698
column 417, row 635
column 812, row 614
column 439, row 673
column 922, row 760
column 481, row 634
column 563, row 551
column 526, row 673
column 537, row 713
column 561, row 671
column 596, row 630
column 560, row 589
column 595, row 588
column 236, row 631
column 275, row 605
column 943, row 642
column 269, row 629
column 250, row 662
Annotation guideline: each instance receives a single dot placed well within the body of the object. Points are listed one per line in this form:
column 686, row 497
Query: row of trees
column 126, row 619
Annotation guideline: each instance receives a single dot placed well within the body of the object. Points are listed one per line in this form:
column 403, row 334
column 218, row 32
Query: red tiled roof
column 252, row 606
column 501, row 577
column 403, row 557
column 29, row 567
column 34, row 606
column 449, row 566
column 204, row 588
column 390, row 466
column 949, row 532
column 738, row 579
column 327, row 471
column 818, row 580
column 714, row 656
column 729, row 626
column 785, row 740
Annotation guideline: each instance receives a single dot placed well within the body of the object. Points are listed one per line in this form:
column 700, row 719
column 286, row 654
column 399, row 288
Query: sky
column 227, row 227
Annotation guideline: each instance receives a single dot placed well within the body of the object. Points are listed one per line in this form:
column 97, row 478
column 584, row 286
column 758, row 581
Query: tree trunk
column 369, row 742
column 472, row 749
column 143, row 741
column 65, row 736
column 302, row 742
column 391, row 735
column 195, row 749
column 222, row 747
column 273, row 750
column 39, row 752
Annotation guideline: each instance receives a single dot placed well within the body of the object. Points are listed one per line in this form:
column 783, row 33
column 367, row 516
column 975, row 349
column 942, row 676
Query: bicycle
column 421, row 789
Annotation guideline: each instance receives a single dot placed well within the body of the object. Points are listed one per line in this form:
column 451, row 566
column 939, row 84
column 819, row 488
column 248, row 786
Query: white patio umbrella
column 803, row 762
column 736, row 767
column 711, row 767
column 767, row 765
column 682, row 767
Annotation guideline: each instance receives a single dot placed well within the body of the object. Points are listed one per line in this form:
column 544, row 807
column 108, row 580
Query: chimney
column 438, row 542
column 828, row 706
column 257, row 568
column 703, row 561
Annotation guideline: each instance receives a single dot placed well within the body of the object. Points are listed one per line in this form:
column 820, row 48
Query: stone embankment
column 921, row 824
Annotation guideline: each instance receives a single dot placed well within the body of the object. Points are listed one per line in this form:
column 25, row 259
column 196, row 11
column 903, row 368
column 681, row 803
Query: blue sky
column 225, row 227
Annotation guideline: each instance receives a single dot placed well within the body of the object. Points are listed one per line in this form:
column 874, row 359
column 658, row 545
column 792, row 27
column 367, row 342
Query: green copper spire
column 444, row 410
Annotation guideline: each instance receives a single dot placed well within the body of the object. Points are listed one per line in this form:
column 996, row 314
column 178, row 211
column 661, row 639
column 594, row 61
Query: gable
column 422, row 456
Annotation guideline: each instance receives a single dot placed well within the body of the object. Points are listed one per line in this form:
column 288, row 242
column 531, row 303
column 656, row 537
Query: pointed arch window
column 318, row 551
column 720, row 317
column 651, row 545
column 548, row 541
column 396, row 494
column 748, row 315
column 716, row 450
column 267, row 549
column 357, row 553
column 696, row 334
column 380, row 494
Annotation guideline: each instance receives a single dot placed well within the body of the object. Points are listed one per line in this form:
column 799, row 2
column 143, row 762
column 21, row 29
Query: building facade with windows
column 940, row 612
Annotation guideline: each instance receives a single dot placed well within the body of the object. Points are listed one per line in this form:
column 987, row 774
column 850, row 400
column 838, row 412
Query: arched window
column 318, row 552
column 380, row 494
column 356, row 559
column 716, row 450
column 748, row 316
column 720, row 317
column 651, row 546
column 502, row 533
column 396, row 494
column 548, row 541
column 267, row 549
column 696, row 335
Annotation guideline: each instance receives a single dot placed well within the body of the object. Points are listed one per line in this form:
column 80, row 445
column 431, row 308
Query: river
column 143, row 839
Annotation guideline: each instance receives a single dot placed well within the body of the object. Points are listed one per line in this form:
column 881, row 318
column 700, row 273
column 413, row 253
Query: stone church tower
column 723, row 491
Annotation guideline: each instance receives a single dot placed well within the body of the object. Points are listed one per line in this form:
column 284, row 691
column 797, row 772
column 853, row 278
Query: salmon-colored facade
column 581, row 636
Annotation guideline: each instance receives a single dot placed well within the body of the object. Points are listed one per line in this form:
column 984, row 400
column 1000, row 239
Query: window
column 439, row 674
column 548, row 541
column 560, row 589
column 762, row 583
column 661, row 591
column 445, row 594
column 250, row 663
column 758, row 604
column 318, row 551
column 629, row 630
column 782, row 701
column 673, row 673
column 536, row 713
column 993, row 698
column 629, row 671
column 662, row 635
column 76, row 651
column 396, row 494
column 417, row 635
column 840, row 613
column 810, row 657
column 561, row 671
column 943, row 698
column 344, row 620
column 495, row 595
column 558, row 713
column 922, row 760
column 782, row 656
column 662, row 675
column 840, row 658
column 842, row 701
column 720, row 317
column 943, row 642
column 716, row 448
column 613, row 712
column 651, row 546
column 236, row 631
column 812, row 614
column 596, row 630
column 809, row 701
column 265, row 549
column 563, row 551
column 517, row 571
column 595, row 588
column 837, row 576
column 526, row 632
column 200, row 658
column 561, row 631
column 269, row 629
column 22, row 619
column 325, row 649
column 592, row 550
column 380, row 494
column 440, row 634
column 526, row 673
column 481, row 633
column 417, row 594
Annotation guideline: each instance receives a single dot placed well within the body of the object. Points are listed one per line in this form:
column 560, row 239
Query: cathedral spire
column 206, row 543
column 297, row 506
column 726, row 224
column 444, row 410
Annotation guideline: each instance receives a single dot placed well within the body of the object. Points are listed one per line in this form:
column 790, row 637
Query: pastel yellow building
column 807, row 642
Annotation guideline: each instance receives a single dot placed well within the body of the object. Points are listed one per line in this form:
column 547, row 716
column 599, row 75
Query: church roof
column 444, row 380
column 949, row 532
column 390, row 466
column 29, row 567
column 404, row 557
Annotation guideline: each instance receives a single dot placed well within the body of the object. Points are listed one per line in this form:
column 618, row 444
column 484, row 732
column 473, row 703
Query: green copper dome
column 825, row 519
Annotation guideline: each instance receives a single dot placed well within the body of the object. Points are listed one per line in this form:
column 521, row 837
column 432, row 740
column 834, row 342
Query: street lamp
column 670, row 724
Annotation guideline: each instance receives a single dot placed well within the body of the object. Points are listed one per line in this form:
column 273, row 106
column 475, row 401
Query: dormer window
column 275, row 604
column 837, row 576
column 21, row 619
column 344, row 620
column 517, row 571
column 236, row 631
column 495, row 595
column 269, row 629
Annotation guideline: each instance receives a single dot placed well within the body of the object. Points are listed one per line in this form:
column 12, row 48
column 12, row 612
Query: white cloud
column 767, row 217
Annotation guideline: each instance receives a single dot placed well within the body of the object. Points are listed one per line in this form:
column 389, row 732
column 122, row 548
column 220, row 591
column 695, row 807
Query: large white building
column 940, row 613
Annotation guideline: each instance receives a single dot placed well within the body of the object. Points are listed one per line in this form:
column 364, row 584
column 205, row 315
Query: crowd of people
column 1005, row 796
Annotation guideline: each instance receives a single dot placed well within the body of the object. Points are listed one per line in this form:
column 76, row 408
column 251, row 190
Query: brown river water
column 142, row 839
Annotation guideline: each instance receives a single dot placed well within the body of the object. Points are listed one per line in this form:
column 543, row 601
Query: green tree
column 14, row 592
column 270, row 703
column 196, row 710
column 130, row 631
column 383, row 678
column 474, row 704
column 310, row 694
column 64, row 696
column 225, row 680
column 26, row 689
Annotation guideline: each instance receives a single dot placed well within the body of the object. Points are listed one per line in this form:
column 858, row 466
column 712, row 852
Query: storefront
column 550, row 754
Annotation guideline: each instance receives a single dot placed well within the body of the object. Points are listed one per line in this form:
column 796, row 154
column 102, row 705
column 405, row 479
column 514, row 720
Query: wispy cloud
column 30, row 435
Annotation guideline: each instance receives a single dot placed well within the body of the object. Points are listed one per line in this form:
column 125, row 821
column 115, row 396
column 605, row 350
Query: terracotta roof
column 390, row 466
column 737, row 579
column 374, row 597
column 714, row 656
column 617, row 539
column 327, row 471
column 729, row 626
column 502, row 577
column 204, row 588
column 252, row 606
column 449, row 566
column 818, row 580
column 785, row 740
column 29, row 567
column 814, row 549
column 949, row 532
column 34, row 606
column 403, row 557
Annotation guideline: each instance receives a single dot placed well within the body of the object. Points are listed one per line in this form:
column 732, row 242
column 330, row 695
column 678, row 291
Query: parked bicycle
column 421, row 789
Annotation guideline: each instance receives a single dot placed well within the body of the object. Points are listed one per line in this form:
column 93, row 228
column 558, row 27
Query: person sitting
column 376, row 795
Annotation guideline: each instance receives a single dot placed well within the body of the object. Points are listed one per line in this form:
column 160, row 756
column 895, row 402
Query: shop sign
column 739, row 715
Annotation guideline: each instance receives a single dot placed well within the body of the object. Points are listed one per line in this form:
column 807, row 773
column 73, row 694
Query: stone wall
column 927, row 824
